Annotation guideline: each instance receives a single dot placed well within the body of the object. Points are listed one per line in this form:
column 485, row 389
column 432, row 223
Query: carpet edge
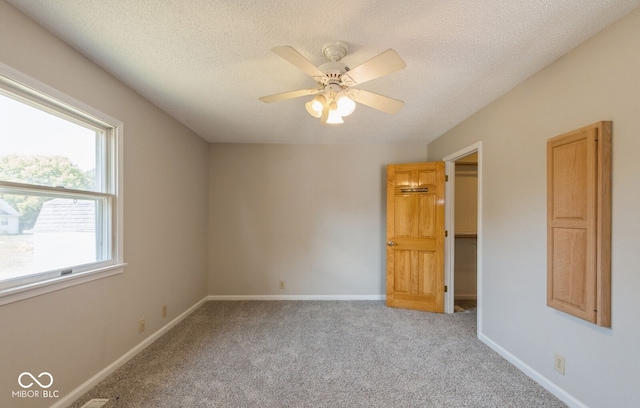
column 296, row 297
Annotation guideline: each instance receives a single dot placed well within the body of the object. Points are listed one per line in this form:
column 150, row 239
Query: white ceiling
column 206, row 62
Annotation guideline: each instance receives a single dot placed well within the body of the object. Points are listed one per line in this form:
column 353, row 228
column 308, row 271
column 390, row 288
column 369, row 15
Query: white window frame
column 31, row 89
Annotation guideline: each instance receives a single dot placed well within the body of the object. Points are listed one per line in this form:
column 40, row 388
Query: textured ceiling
column 206, row 62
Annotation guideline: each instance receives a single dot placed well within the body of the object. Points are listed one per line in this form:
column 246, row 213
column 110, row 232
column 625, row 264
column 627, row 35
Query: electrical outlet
column 164, row 311
column 141, row 325
column 281, row 284
column 558, row 363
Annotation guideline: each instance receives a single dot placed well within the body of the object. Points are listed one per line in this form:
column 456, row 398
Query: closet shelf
column 466, row 235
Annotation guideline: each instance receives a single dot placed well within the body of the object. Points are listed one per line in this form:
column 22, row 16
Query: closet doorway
column 465, row 267
column 463, row 221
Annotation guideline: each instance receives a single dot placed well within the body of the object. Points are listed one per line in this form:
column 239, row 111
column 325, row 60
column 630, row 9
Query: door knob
column 391, row 243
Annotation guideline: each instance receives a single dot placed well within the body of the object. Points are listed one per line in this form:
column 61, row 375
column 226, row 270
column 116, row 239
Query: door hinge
column 446, row 233
column 446, row 177
column 445, row 288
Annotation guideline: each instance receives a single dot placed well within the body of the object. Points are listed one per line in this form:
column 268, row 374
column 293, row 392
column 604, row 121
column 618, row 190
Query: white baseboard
column 296, row 297
column 562, row 395
column 93, row 381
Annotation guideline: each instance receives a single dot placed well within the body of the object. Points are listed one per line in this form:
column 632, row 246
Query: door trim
column 449, row 225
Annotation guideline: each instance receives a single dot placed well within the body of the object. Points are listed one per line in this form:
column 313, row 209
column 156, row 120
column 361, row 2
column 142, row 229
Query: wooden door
column 415, row 236
column 579, row 223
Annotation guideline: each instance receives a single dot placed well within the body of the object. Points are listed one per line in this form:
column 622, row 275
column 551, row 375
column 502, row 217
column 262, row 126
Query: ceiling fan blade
column 380, row 65
column 288, row 95
column 288, row 53
column 376, row 101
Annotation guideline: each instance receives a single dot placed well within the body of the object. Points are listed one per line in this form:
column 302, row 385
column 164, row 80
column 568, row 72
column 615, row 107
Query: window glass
column 67, row 233
column 37, row 147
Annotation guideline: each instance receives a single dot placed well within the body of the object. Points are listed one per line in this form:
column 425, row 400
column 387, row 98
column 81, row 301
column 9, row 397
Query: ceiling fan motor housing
column 333, row 72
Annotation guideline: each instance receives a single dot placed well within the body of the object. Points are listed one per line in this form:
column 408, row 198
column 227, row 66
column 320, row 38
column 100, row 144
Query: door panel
column 569, row 281
column 402, row 267
column 426, row 216
column 426, row 178
column 427, row 282
column 415, row 236
column 402, row 220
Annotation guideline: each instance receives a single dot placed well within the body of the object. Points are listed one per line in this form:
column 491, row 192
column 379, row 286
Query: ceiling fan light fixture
column 316, row 105
column 334, row 117
column 312, row 111
column 346, row 105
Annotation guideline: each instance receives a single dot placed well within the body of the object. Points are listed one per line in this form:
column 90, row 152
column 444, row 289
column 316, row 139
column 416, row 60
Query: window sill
column 18, row 293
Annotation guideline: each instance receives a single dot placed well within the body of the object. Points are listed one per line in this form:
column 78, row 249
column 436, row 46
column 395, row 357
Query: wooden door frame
column 449, row 225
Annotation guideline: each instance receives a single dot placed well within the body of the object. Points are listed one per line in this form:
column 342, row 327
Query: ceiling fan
column 334, row 95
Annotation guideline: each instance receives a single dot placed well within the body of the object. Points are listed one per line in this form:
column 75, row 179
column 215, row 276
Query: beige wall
column 600, row 80
column 313, row 216
column 76, row 332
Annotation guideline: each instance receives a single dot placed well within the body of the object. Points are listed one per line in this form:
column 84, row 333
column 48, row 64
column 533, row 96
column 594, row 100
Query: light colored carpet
column 319, row 354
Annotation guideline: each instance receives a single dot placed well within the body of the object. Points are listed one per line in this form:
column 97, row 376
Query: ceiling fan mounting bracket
column 334, row 50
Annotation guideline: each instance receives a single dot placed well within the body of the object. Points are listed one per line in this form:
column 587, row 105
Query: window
column 60, row 190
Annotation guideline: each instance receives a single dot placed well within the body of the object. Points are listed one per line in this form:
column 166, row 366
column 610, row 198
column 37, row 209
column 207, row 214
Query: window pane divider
column 7, row 187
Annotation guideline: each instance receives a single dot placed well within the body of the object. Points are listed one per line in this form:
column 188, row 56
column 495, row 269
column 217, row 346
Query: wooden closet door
column 578, row 223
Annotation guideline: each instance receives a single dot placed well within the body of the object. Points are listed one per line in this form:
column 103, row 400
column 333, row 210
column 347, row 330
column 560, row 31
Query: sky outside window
column 27, row 131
